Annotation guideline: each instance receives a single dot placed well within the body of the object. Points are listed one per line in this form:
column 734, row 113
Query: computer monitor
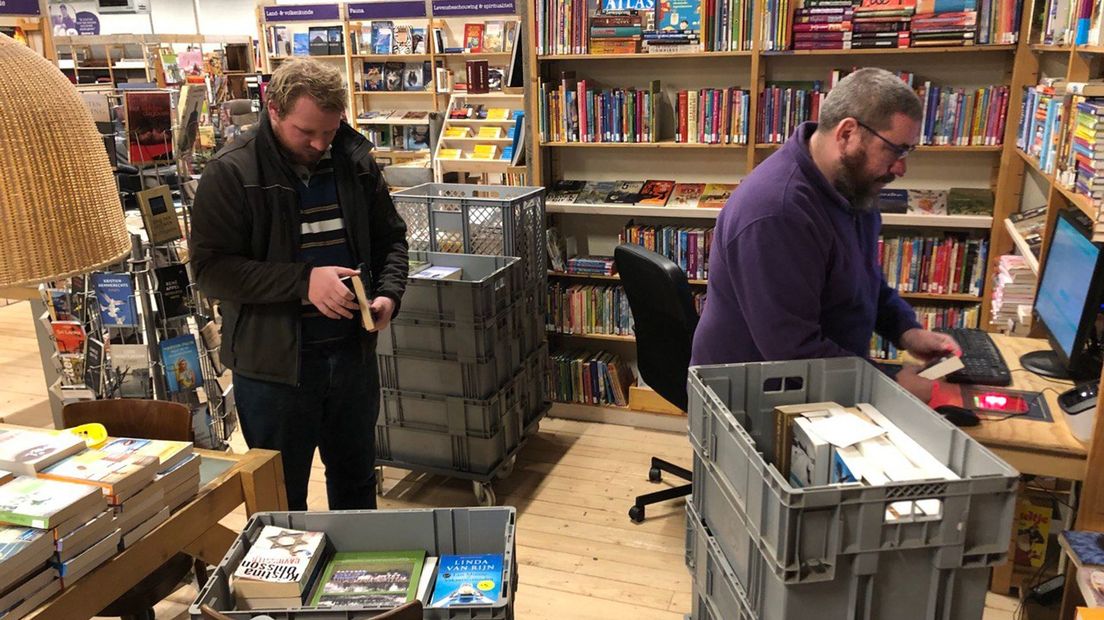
column 1068, row 300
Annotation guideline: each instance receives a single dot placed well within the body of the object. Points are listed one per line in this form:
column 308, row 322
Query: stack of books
column 882, row 24
column 1086, row 145
column 961, row 117
column 686, row 247
column 573, row 111
column 175, row 482
column 823, row 25
column 945, row 23
column 587, row 377
column 592, row 265
column 583, row 310
column 1013, row 286
column 619, row 33
column 934, row 265
column 1040, row 120
column 1030, row 225
column 712, row 116
column 785, row 105
column 26, row 577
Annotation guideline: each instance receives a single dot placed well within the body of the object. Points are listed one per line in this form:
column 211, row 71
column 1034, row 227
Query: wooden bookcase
column 120, row 57
column 494, row 171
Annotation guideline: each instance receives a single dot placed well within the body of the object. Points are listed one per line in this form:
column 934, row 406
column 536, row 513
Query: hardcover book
column 279, row 563
column 416, row 137
column 715, row 195
column 149, row 126
column 43, row 504
column 373, row 76
column 69, row 337
column 893, row 201
column 679, row 15
column 335, row 41
column 927, row 202
column 159, row 215
column 374, row 580
column 393, row 76
column 300, row 44
column 493, row 36
column 94, row 365
column 401, row 42
column 969, row 201
column 465, row 580
column 473, row 37
column 656, row 193
column 131, row 368
column 319, row 41
column 565, row 191
column 686, row 195
column 418, row 40
column 412, row 77
column 180, row 357
column 28, row 451
column 172, row 285
column 115, row 293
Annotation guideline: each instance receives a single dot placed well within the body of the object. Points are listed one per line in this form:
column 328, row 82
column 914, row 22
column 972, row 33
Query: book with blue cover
column 1084, row 548
column 115, row 295
column 464, row 580
column 300, row 44
column 180, row 357
column 679, row 15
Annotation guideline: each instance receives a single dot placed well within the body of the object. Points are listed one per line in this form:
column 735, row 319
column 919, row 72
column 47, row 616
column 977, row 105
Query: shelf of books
column 482, row 140
column 625, row 145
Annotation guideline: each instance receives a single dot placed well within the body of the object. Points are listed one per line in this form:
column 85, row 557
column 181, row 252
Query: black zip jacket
column 245, row 233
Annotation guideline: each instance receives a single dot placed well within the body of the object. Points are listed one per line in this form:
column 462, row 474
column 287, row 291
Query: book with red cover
column 473, row 37
column 69, row 336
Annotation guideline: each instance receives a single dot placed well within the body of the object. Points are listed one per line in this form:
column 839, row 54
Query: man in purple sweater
column 793, row 270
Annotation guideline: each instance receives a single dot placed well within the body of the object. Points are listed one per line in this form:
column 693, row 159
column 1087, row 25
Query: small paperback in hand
column 465, row 580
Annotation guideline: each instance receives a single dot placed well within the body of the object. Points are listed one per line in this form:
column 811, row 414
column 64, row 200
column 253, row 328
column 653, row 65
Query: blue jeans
column 334, row 408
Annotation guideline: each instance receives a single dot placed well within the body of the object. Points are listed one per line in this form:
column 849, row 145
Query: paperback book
column 131, row 369
column 465, row 580
column 279, row 564
column 115, row 293
column 116, row 474
column 180, row 357
column 28, row 451
column 172, row 285
column 43, row 504
column 373, row 580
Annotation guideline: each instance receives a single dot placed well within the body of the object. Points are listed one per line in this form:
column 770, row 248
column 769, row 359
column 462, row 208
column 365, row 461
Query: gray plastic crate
column 487, row 286
column 477, row 219
column 818, row 533
column 459, row 416
column 463, row 341
column 717, row 594
column 439, row 531
column 904, row 585
column 449, row 375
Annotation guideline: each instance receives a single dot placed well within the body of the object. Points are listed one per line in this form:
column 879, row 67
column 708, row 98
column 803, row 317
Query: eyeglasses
column 900, row 150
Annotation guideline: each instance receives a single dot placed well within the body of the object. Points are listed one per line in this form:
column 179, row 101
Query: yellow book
column 448, row 154
column 490, row 132
column 498, row 114
column 457, row 132
column 484, row 151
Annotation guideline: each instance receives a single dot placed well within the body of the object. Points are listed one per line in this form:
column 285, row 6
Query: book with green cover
column 43, row 504
column 373, row 580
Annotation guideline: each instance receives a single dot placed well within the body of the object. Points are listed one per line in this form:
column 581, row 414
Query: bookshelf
column 36, row 28
column 593, row 227
column 137, row 58
column 455, row 157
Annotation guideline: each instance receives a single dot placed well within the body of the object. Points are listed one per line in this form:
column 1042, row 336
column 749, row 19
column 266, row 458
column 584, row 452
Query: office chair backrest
column 664, row 319
column 132, row 417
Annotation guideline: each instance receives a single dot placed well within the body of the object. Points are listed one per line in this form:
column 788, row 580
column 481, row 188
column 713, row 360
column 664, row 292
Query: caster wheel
column 507, row 468
column 655, row 475
column 484, row 494
column 636, row 513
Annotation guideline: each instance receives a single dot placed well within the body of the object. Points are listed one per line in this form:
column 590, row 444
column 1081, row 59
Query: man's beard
column 856, row 186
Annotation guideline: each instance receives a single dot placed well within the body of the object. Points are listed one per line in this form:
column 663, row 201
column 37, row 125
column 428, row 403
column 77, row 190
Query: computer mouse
column 959, row 416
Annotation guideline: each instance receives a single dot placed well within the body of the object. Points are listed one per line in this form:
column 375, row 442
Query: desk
column 1031, row 446
column 255, row 479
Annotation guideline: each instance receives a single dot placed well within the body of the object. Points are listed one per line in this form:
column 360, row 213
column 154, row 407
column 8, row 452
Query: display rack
column 494, row 170
column 125, row 57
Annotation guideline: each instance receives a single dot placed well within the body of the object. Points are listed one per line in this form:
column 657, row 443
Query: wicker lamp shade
column 59, row 207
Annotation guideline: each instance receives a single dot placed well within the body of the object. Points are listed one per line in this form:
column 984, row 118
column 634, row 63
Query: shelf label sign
column 301, row 12
column 386, row 10
column 19, row 7
column 458, row 8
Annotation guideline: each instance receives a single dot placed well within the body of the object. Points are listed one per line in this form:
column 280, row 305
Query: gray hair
column 871, row 96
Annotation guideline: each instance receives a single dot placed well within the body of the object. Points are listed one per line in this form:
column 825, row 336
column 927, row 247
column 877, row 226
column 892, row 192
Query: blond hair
column 306, row 76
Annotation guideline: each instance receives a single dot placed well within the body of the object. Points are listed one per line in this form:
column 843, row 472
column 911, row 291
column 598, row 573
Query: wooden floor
column 579, row 555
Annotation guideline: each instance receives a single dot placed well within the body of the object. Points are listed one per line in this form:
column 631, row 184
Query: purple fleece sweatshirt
column 793, row 271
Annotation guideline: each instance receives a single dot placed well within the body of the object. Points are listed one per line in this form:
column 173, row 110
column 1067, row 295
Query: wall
column 217, row 17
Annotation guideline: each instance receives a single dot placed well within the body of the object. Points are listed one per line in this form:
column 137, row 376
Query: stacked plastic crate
column 462, row 366
column 762, row 549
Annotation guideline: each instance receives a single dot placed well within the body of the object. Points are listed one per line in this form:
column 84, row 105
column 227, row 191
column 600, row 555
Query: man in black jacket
column 282, row 215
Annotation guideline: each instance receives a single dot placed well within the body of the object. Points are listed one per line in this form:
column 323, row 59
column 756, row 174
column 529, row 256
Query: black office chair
column 664, row 320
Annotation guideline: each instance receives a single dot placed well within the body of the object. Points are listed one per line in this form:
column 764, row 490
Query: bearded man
column 793, row 270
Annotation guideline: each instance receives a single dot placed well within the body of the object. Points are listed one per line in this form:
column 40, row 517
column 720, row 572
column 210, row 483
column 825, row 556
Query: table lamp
column 60, row 213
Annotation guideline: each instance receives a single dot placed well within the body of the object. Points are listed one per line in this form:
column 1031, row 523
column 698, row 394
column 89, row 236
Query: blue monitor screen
column 1066, row 281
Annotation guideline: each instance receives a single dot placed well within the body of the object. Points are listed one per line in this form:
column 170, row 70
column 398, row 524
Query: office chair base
column 655, row 474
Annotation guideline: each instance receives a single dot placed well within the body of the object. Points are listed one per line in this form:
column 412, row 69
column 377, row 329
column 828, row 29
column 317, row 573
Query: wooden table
column 255, row 479
column 1033, row 446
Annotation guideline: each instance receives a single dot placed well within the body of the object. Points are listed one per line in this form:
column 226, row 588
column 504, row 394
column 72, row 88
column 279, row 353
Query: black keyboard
column 984, row 364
